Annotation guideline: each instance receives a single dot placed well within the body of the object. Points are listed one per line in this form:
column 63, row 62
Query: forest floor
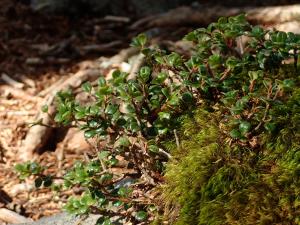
column 38, row 52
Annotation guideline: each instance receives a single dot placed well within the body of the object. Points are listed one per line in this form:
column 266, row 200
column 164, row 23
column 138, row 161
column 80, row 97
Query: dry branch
column 208, row 14
column 136, row 66
column 99, row 48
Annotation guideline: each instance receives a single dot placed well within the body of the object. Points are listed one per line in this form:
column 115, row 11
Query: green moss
column 211, row 181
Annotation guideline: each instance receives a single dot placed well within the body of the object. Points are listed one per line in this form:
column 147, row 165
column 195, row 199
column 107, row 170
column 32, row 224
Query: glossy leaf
column 141, row 216
column 87, row 87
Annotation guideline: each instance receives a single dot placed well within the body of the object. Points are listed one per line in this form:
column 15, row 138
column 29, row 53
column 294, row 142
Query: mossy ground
column 214, row 181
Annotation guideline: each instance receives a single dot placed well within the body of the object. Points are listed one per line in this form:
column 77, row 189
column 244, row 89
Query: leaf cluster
column 237, row 72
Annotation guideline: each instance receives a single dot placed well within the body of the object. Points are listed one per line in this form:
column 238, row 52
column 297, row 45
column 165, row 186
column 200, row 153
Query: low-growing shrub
column 225, row 116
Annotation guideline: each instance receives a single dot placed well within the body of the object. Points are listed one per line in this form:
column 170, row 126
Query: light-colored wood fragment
column 11, row 81
column 12, row 217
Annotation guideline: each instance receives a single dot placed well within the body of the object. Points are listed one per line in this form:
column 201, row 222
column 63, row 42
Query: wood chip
column 12, row 217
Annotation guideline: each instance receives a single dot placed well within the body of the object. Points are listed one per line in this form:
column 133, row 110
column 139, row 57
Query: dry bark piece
column 27, row 81
column 12, row 217
column 19, row 188
column 274, row 14
column 291, row 26
column 122, row 56
column 17, row 93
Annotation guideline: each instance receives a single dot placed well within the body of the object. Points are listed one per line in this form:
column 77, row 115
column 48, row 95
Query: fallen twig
column 99, row 48
column 11, row 81
column 117, row 19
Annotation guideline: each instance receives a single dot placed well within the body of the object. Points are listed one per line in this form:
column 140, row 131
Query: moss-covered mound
column 213, row 181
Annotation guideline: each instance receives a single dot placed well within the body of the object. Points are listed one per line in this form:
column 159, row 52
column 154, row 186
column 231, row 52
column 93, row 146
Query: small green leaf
column 87, row 87
column 123, row 142
column 159, row 59
column 89, row 133
column 45, row 108
column 105, row 90
column 111, row 109
column 19, row 167
column 288, row 83
column 103, row 154
column 153, row 148
column 160, row 78
column 145, row 72
column 117, row 203
column 254, row 75
column 142, row 38
column 133, row 126
column 58, row 118
column 166, row 92
column 146, row 51
column 93, row 123
column 187, row 97
column 94, row 110
column 151, row 131
column 113, row 161
column 107, row 222
column 222, row 20
column 163, row 131
column 257, row 32
column 214, row 61
column 124, row 191
column 101, row 81
column 79, row 115
column 130, row 108
column 235, row 134
column 164, row 115
column 35, row 168
column 106, row 177
column 116, row 74
column 141, row 216
column 174, row 100
column 270, row 127
column 281, row 37
column 121, row 122
column 244, row 127
column 174, row 59
column 139, row 41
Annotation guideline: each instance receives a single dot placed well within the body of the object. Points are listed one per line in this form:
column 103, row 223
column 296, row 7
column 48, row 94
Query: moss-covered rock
column 213, row 181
